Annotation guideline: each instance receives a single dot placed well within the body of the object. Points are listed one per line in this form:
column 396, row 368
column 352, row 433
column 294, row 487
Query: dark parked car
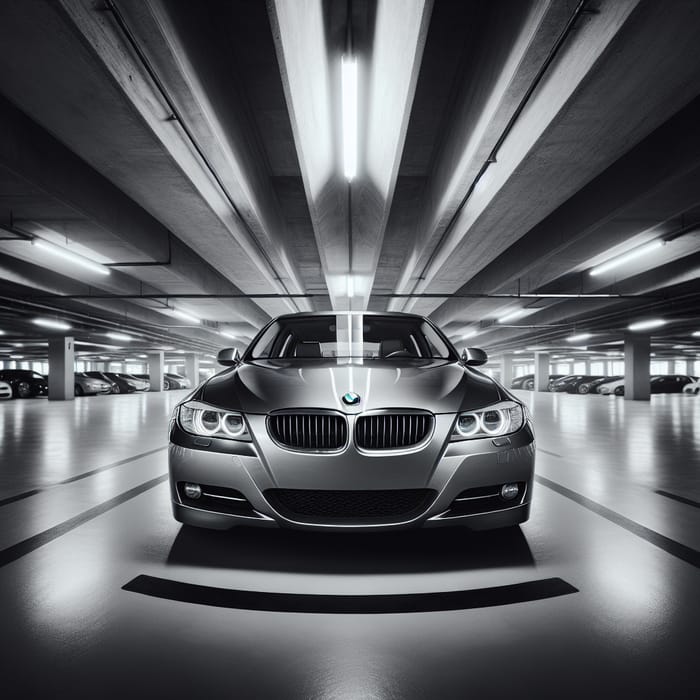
column 527, row 381
column 170, row 380
column 572, row 383
column 119, row 384
column 661, row 384
column 24, row 382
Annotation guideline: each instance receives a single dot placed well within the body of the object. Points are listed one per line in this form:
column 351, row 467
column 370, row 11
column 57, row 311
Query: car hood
column 268, row 385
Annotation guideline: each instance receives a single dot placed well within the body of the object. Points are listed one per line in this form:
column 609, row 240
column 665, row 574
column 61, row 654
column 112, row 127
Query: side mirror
column 228, row 357
column 474, row 357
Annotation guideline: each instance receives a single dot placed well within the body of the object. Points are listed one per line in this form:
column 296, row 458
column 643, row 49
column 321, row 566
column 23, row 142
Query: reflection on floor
column 84, row 512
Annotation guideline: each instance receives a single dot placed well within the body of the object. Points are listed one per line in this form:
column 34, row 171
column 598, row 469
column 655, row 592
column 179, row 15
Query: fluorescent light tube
column 349, row 88
column 49, row 323
column 228, row 334
column 512, row 315
column 184, row 316
column 644, row 325
column 70, row 257
column 119, row 336
column 626, row 257
column 580, row 336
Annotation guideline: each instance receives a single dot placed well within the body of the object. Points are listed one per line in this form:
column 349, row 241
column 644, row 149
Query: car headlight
column 201, row 419
column 500, row 419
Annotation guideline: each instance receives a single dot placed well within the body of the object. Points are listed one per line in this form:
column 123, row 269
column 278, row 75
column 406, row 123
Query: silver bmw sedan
column 349, row 421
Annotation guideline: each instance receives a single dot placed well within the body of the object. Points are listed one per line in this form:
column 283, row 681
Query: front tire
column 584, row 389
column 620, row 391
column 529, row 385
column 116, row 389
column 24, row 390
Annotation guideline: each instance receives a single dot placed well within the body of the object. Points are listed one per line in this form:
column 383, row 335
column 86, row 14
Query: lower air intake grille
column 353, row 506
column 392, row 431
column 309, row 431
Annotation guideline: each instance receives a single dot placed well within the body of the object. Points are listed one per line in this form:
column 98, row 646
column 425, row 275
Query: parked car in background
column 170, row 380
column 692, row 388
column 5, row 391
column 592, row 386
column 527, row 381
column 24, row 382
column 139, row 384
column 119, row 385
column 572, row 383
column 658, row 384
column 86, row 385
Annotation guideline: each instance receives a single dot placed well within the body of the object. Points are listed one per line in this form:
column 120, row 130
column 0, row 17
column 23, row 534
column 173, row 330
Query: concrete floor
column 68, row 545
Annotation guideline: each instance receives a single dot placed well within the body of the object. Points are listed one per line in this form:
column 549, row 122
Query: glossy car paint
column 24, row 382
column 85, row 385
column 444, row 388
column 5, row 391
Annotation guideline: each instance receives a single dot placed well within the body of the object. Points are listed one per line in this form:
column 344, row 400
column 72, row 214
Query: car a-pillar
column 637, row 356
column 156, row 370
column 541, row 371
column 61, row 368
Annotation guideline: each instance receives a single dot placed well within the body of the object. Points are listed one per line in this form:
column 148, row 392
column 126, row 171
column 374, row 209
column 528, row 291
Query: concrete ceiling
column 504, row 150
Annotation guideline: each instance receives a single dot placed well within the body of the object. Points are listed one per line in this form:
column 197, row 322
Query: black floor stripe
column 547, row 452
column 18, row 550
column 349, row 604
column 687, row 554
column 84, row 475
column 687, row 501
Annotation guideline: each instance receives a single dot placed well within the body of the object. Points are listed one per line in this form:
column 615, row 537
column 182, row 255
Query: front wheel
column 620, row 391
column 166, row 385
column 584, row 389
column 529, row 385
column 24, row 390
column 116, row 389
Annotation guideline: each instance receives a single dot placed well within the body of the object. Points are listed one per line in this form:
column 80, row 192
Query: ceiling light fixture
column 580, row 336
column 16, row 357
column 470, row 334
column 696, row 334
column 351, row 286
column 184, row 315
column 644, row 325
column 70, row 257
column 626, row 257
column 119, row 336
column 228, row 334
column 49, row 323
column 545, row 295
column 349, row 89
column 512, row 315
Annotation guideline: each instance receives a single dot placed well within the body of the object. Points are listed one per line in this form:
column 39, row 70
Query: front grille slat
column 392, row 430
column 308, row 431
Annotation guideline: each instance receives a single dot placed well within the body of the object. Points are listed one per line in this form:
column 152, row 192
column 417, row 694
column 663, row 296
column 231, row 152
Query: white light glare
column 2, row 332
column 70, row 257
column 228, row 334
column 580, row 336
column 184, row 316
column 119, row 336
column 622, row 259
column 696, row 334
column 512, row 315
column 644, row 325
column 349, row 87
column 469, row 334
column 351, row 286
column 49, row 323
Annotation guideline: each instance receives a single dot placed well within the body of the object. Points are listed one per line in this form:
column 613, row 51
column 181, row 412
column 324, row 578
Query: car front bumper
column 241, row 477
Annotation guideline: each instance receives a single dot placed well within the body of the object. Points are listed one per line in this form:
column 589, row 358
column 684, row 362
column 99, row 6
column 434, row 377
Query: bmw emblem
column 351, row 398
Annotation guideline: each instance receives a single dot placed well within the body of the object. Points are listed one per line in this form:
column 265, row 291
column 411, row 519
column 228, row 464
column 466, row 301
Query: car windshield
column 351, row 335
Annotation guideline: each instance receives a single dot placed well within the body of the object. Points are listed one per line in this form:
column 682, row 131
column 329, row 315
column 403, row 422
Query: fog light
column 195, row 490
column 509, row 491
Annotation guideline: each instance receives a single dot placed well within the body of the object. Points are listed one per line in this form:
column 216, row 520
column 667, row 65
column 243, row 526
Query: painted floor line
column 547, row 452
column 680, row 499
column 16, row 551
column 681, row 551
column 78, row 477
column 349, row 604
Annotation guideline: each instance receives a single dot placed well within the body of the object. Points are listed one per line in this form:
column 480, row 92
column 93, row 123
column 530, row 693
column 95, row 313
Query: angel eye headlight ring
column 499, row 419
column 198, row 418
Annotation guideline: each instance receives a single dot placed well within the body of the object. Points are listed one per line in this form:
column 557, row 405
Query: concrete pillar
column 541, row 371
column 507, row 370
column 156, row 368
column 637, row 366
column 690, row 368
column 587, row 366
column 61, row 363
column 101, row 367
column 192, row 367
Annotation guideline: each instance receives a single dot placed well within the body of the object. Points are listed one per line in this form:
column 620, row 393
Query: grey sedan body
column 351, row 421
